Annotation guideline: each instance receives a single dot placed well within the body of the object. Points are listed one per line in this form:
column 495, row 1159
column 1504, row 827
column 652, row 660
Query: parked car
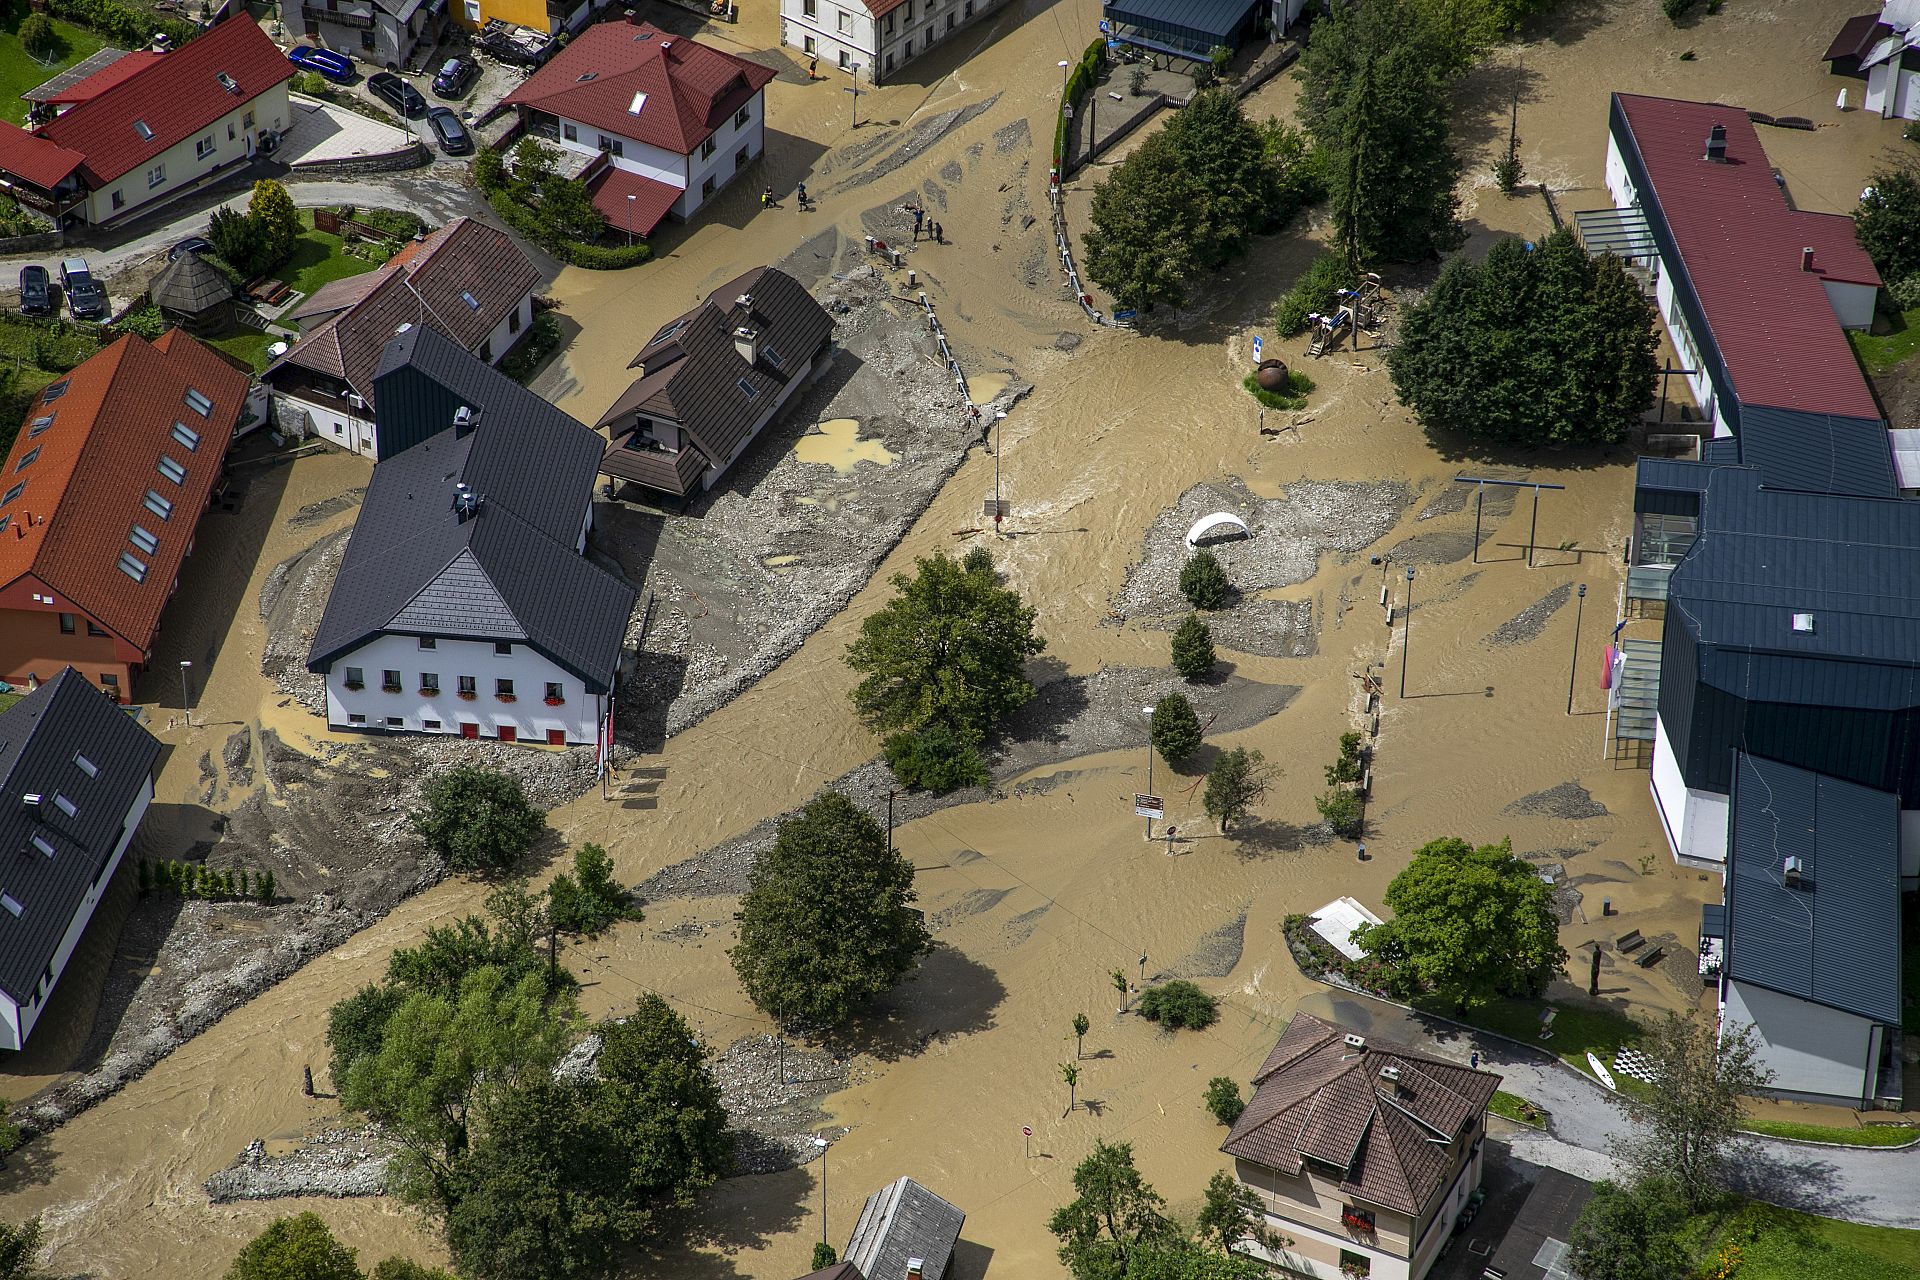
column 456, row 77
column 36, row 292
column 192, row 244
column 337, row 67
column 449, row 132
column 397, row 93
column 85, row 298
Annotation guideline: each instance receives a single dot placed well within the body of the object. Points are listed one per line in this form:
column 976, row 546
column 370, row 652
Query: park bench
column 1630, row 942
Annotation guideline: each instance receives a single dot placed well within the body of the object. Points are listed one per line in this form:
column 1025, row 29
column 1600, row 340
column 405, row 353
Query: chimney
column 162, row 42
column 1391, row 1073
column 916, row 1268
column 1792, row 871
column 746, row 340
column 462, row 422
column 1717, row 144
column 32, row 801
column 1806, row 258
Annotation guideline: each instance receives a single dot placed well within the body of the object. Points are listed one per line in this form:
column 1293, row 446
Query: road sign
column 1126, row 313
column 1105, row 25
column 994, row 510
column 1027, row 1129
column 1145, row 806
column 1256, row 349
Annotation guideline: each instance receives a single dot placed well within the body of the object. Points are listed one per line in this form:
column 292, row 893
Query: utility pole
column 854, row 67
column 1406, row 633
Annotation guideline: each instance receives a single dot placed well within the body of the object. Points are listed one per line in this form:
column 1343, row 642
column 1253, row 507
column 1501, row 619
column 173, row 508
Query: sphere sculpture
column 1272, row 375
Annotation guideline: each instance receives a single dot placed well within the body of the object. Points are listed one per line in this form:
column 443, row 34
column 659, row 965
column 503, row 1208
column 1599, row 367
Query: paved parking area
column 323, row 132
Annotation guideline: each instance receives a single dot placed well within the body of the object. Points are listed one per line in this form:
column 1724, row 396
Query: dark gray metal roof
column 1818, row 453
column 39, row 737
column 1835, row 938
column 1713, row 920
column 1725, row 450
column 48, row 90
column 508, row 572
column 904, row 1220
column 1219, row 18
column 1544, row 1220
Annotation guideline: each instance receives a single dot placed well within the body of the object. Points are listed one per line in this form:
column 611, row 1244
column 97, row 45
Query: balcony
column 342, row 17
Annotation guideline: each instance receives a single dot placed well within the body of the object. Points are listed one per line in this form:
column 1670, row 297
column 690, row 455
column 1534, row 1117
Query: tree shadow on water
column 950, row 994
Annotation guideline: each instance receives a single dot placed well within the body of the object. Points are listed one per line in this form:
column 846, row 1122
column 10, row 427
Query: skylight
column 172, row 470
column 39, row 425
column 144, row 540
column 43, row 844
column 133, row 566
column 87, row 766
column 159, row 505
column 747, row 388
column 26, row 459
column 55, row 390
column 186, row 435
column 472, row 302
column 199, row 403
column 144, row 130
column 582, row 79
column 64, row 805
column 774, row 358
column 11, row 903
column 639, row 101
column 13, row 493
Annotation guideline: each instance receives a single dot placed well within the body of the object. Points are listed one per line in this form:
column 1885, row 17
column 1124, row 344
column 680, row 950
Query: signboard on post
column 1145, row 806
column 1256, row 348
column 1126, row 313
column 1105, row 26
column 994, row 509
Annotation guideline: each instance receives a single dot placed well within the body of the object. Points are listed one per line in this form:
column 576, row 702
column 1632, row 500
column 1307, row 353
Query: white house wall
column 1695, row 820
column 721, row 165
column 18, row 1020
column 883, row 46
column 642, row 158
column 1813, row 1050
column 835, row 48
column 507, row 332
column 183, row 166
column 1852, row 303
column 530, row 671
column 337, row 427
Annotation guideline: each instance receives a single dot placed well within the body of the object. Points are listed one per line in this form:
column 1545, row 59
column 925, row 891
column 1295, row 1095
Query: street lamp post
column 629, row 220
column 999, row 415
column 854, row 67
column 1406, row 633
column 185, row 666
column 821, row 1143
column 1573, row 670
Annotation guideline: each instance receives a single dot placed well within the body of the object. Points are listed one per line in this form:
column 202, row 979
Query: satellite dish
column 1218, row 520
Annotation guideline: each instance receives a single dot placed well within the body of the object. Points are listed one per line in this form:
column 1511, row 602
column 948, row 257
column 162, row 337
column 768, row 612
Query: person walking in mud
column 919, row 216
column 766, row 198
column 800, row 195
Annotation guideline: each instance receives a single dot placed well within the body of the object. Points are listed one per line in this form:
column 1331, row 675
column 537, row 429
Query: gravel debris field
column 1532, row 620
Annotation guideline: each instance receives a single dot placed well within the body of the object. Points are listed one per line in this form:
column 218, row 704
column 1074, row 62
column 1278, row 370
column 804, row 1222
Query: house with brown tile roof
column 668, row 120
column 1362, row 1153
column 712, row 379
column 151, row 126
column 468, row 280
column 103, row 488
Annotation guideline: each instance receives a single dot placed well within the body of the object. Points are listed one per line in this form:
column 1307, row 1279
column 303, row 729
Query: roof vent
column 1390, row 1073
column 1791, row 869
column 465, row 501
column 584, row 77
column 1806, row 258
column 31, row 800
column 1717, row 144
column 228, row 83
column 916, row 1268
column 405, row 325
column 666, row 46
column 462, row 423
column 162, row 42
column 1803, row 622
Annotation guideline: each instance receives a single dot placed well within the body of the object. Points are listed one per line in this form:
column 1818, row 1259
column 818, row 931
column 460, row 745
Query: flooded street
column 1038, row 895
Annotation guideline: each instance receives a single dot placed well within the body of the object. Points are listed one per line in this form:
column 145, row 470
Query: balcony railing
column 342, row 17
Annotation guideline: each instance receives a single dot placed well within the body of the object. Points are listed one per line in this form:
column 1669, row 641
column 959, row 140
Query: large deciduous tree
column 827, row 923
column 1631, row 1233
column 1888, row 222
column 1536, row 345
column 1236, row 780
column 477, row 819
column 1376, row 99
column 1688, row 1125
column 1115, row 1213
column 1469, row 923
column 296, row 1248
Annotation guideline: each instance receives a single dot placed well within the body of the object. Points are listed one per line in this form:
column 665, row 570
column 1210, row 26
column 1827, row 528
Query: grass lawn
column 245, row 344
column 1779, row 1244
column 1576, row 1028
column 318, row 258
column 1869, row 1135
column 1516, row 1108
column 1880, row 352
column 19, row 73
column 8, row 699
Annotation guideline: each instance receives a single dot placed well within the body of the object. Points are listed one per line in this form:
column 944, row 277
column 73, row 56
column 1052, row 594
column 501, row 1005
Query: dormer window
column 39, row 425
column 133, row 566
column 13, row 493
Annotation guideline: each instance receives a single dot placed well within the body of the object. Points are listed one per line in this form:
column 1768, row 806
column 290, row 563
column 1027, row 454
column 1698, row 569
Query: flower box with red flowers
column 555, row 702
column 1353, row 1221
column 468, row 695
column 356, row 685
column 390, row 688
column 506, row 697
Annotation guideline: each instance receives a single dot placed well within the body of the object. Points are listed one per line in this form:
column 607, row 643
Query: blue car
column 334, row 66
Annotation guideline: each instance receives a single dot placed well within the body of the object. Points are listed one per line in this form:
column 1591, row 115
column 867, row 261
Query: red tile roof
column 685, row 90
column 85, row 475
column 177, row 95
column 1390, row 1142
column 651, row 201
column 35, row 159
column 1741, row 244
column 122, row 68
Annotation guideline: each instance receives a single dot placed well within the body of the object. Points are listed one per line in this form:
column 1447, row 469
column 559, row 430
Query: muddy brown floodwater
column 1039, row 894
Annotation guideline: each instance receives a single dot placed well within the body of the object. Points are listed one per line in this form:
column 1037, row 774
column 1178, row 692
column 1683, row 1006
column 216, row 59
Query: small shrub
column 823, row 1255
column 1317, row 289
column 1905, row 293
column 146, row 321
column 263, row 888
column 589, row 900
column 1508, row 172
column 543, row 336
column 489, row 170
column 1193, row 655
column 1223, row 1100
column 1175, row 728
column 1341, row 810
column 934, row 758
column 1675, row 9
column 600, row 257
column 1137, row 82
column 311, row 83
column 1347, row 767
column 1220, row 55
column 1203, row 582
column 1179, row 1005
column 38, row 37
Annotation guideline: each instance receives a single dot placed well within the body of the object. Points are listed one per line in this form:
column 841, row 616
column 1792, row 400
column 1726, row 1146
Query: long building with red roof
column 668, row 120
column 152, row 125
column 1755, row 294
column 104, row 486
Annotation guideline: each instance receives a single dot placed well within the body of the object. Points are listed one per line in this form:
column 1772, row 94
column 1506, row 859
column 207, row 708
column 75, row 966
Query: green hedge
column 121, row 23
column 593, row 257
column 1080, row 82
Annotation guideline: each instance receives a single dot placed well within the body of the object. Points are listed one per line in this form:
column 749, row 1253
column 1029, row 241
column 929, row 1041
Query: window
column 569, row 131
column 430, row 724
column 366, row 41
column 706, row 189
column 503, row 648
column 889, row 24
column 845, row 20
column 556, row 693
column 160, row 506
column 618, row 148
column 143, row 539
column 13, row 493
column 582, row 79
column 65, row 805
column 354, row 717
column 513, row 320
column 26, row 460
column 189, row 438
column 119, row 200
column 773, row 357
column 429, row 684
column 55, row 390
column 949, row 20
column 846, row 60
column 503, row 689
column 473, row 303
column 110, row 682
column 11, row 903
column 203, row 148
column 556, row 737
column 133, row 566
column 68, row 624
column 473, row 11
column 486, row 351
column 390, row 681
column 809, row 46
column 741, row 117
column 811, row 8
column 146, row 133
column 396, row 722
column 43, row 844
column 906, row 50
column 40, row 424
column 171, row 469
column 199, row 403
column 355, row 677
column 740, row 159
column 747, row 388
column 246, row 121
column 231, row 134
column 94, row 630
column 156, row 176
column 889, row 64
column 428, row 642
column 87, row 766
column 467, row 687
column 1353, row 1264
column 706, row 149
column 969, row 12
